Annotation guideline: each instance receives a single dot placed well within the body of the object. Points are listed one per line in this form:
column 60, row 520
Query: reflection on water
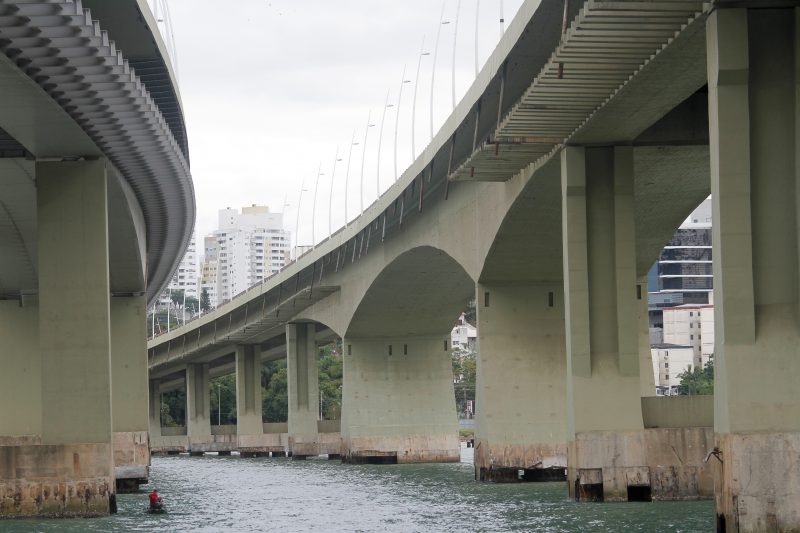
column 233, row 494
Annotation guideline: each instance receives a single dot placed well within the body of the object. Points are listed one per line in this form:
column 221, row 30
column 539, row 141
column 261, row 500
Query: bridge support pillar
column 398, row 404
column 521, row 432
column 249, row 424
column 66, row 467
column 303, row 387
column 198, row 409
column 753, row 61
column 130, row 391
column 607, row 458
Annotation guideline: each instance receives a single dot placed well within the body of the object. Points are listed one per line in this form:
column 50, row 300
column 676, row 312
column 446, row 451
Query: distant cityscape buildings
column 247, row 247
column 681, row 302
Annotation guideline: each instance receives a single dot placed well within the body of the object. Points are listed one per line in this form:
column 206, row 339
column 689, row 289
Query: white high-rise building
column 185, row 277
column 247, row 248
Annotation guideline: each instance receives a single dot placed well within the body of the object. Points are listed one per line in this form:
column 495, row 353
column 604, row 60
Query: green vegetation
column 173, row 408
column 466, row 433
column 205, row 301
column 697, row 380
column 274, row 393
column 464, row 373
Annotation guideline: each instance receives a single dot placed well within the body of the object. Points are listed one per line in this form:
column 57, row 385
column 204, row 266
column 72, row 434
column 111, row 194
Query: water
column 234, row 494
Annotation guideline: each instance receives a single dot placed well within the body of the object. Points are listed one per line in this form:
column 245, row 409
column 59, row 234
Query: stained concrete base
column 212, row 443
column 73, row 480
column 315, row 444
column 131, row 460
column 653, row 464
column 757, row 478
column 503, row 463
column 411, row 449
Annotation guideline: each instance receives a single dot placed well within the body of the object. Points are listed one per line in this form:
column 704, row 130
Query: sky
column 275, row 92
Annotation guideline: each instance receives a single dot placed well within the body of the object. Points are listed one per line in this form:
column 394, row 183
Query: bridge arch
column 420, row 292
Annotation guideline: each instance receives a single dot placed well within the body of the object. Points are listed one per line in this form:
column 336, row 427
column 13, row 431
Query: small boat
column 159, row 509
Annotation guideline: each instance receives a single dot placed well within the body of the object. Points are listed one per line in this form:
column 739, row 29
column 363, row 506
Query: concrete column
column 69, row 471
column 606, row 449
column 398, row 403
column 301, row 350
column 249, row 424
column 198, row 407
column 521, row 383
column 753, row 61
column 155, row 410
column 130, row 392
column 646, row 377
column 20, row 374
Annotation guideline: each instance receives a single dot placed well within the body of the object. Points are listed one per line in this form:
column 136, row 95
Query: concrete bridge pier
column 198, row 409
column 753, row 62
column 521, row 430
column 130, row 391
column 607, row 447
column 250, row 436
column 398, row 404
column 56, row 450
column 301, row 346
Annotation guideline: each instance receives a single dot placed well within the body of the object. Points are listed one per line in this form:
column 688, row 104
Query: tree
column 697, row 380
column 275, row 396
column 464, row 374
column 330, row 381
column 205, row 301
column 173, row 408
column 223, row 399
column 177, row 297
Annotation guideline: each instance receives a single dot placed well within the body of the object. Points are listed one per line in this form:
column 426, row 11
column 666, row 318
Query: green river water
column 234, row 494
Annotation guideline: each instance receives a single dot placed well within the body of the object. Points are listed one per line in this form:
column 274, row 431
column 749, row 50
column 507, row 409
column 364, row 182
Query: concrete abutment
column 753, row 61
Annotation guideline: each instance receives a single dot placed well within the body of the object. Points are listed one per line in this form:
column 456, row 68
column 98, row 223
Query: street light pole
column 477, row 20
column 314, row 208
column 422, row 52
column 363, row 155
column 386, row 105
column 330, row 196
column 442, row 22
column 403, row 81
column 297, row 223
column 455, row 38
column 347, row 174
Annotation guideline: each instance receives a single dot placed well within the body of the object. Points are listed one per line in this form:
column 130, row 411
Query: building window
column 691, row 337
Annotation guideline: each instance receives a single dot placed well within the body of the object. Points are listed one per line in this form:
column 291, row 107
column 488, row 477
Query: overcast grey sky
column 271, row 88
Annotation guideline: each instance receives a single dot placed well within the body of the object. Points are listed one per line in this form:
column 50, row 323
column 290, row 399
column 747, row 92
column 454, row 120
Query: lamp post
column 502, row 20
column 314, row 208
column 347, row 174
column 477, row 20
column 330, row 196
column 422, row 52
column 442, row 22
column 386, row 105
column 297, row 223
column 455, row 38
column 363, row 155
column 403, row 81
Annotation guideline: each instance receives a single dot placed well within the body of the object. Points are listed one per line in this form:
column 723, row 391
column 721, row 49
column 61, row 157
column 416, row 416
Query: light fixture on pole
column 455, row 37
column 330, row 196
column 502, row 20
column 297, row 223
column 442, row 22
column 403, row 81
column 314, row 208
column 363, row 155
column 347, row 174
column 477, row 20
column 422, row 52
column 386, row 105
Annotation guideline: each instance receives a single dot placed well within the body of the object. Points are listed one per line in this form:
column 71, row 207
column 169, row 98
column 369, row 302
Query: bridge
column 546, row 196
column 96, row 207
